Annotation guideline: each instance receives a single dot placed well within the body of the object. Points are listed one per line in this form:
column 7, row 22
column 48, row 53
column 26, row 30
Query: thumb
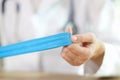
column 69, row 29
column 86, row 37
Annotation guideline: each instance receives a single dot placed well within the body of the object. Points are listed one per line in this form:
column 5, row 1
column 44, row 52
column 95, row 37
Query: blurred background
column 22, row 20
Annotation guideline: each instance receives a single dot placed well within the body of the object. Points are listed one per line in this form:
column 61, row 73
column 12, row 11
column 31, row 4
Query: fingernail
column 69, row 29
column 74, row 38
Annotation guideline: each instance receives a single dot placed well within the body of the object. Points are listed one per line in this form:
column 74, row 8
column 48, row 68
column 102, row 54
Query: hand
column 85, row 47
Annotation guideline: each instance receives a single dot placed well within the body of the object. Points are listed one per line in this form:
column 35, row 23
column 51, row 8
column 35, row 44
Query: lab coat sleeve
column 110, row 64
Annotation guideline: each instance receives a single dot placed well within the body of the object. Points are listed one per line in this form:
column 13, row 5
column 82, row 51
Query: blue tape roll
column 40, row 44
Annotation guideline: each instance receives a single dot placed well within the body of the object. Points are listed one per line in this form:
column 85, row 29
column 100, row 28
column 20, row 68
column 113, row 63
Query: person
column 51, row 18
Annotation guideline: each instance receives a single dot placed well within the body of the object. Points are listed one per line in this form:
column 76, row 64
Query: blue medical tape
column 40, row 44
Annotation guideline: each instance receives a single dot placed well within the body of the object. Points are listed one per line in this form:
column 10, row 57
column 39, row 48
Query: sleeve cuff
column 110, row 60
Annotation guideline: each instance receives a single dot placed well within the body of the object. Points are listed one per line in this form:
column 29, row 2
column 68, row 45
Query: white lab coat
column 87, row 18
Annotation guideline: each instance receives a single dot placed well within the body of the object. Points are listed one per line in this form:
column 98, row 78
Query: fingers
column 79, row 50
column 69, row 30
column 69, row 54
column 88, row 37
column 75, row 55
column 73, row 59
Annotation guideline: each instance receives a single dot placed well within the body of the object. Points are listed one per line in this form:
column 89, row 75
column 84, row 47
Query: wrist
column 99, row 53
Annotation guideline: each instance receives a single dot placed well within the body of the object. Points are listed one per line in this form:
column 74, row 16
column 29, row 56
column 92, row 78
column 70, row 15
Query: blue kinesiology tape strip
column 40, row 44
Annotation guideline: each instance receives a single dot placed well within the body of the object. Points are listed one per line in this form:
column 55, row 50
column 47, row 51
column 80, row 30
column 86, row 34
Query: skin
column 85, row 47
